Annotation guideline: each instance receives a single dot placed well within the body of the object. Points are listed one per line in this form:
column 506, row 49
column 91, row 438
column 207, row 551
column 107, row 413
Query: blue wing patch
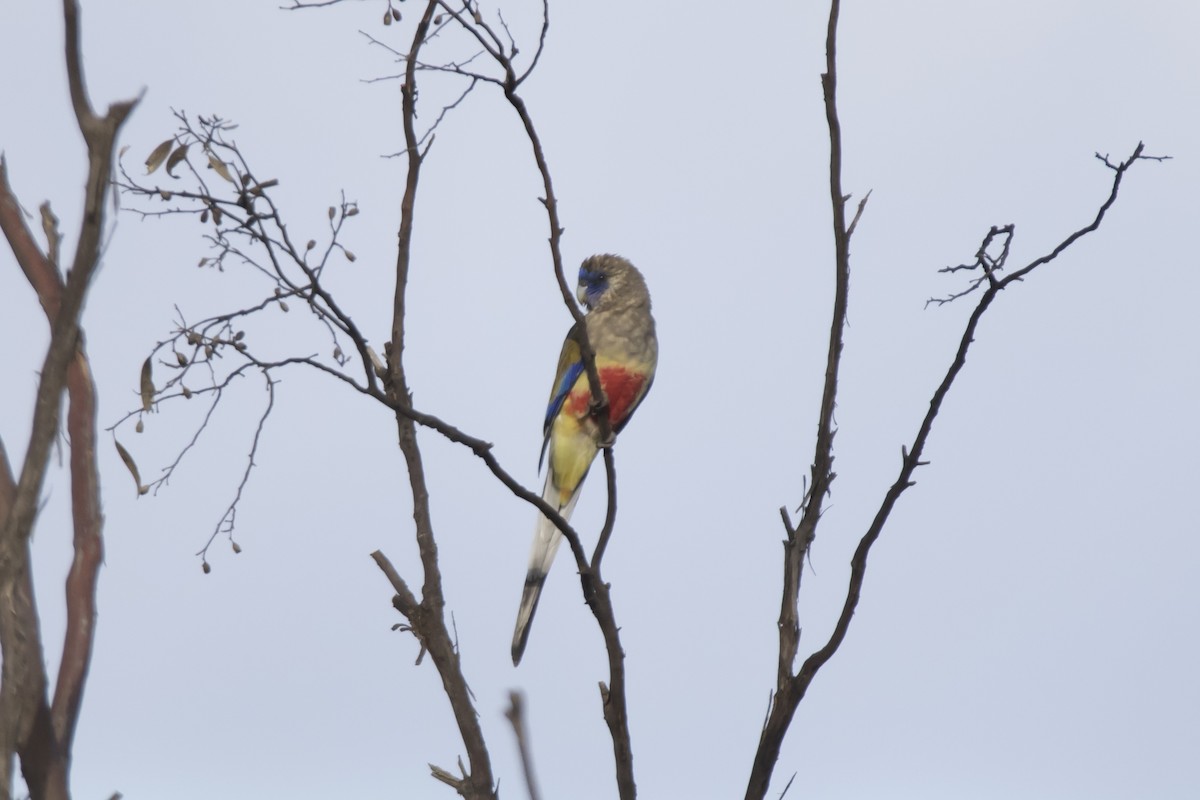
column 569, row 376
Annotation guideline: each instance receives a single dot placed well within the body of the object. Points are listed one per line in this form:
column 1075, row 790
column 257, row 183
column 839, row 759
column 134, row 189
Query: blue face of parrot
column 592, row 284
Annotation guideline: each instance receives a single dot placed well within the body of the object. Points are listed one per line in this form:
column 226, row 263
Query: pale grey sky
column 1028, row 627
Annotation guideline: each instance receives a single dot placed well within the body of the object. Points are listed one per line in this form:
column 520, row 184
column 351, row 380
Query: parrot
column 621, row 331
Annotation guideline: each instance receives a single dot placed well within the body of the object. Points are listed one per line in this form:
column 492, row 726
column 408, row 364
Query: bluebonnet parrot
column 620, row 329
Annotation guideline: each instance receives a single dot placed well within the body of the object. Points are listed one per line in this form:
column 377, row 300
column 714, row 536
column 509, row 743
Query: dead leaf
column 158, row 155
column 258, row 189
column 132, row 467
column 221, row 168
column 179, row 155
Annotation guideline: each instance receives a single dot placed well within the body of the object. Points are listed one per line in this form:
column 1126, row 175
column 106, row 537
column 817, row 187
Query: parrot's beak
column 581, row 294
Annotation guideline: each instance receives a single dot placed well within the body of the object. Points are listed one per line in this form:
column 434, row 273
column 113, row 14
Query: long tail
column 546, row 539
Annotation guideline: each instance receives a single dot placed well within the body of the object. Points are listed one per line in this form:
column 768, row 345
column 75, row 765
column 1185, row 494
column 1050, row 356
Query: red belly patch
column 622, row 387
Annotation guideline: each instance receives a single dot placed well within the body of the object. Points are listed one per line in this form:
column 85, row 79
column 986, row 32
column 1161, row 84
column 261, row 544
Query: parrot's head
column 607, row 280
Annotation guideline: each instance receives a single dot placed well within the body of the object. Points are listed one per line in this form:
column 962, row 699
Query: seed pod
column 146, row 385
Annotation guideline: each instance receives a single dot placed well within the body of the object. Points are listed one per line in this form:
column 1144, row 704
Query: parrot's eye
column 592, row 278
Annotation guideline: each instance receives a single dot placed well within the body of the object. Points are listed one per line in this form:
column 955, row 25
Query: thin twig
column 228, row 520
column 516, row 716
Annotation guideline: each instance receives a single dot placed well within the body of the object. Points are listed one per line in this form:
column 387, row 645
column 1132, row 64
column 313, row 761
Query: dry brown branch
column 516, row 717
column 428, row 618
column 89, row 550
column 31, row 726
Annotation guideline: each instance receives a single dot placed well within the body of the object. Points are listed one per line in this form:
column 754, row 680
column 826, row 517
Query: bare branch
column 516, row 716
column 318, row 4
column 41, row 273
column 985, row 262
column 228, row 520
column 821, row 471
column 407, row 603
column 89, row 551
column 428, row 622
column 537, row 55
column 28, row 725
column 791, row 688
column 1121, row 167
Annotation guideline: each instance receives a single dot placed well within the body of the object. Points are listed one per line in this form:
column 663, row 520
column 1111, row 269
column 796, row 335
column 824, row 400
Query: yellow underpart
column 572, row 450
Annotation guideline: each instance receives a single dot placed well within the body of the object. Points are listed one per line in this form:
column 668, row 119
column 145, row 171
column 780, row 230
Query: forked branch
column 791, row 684
column 40, row 730
column 427, row 618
